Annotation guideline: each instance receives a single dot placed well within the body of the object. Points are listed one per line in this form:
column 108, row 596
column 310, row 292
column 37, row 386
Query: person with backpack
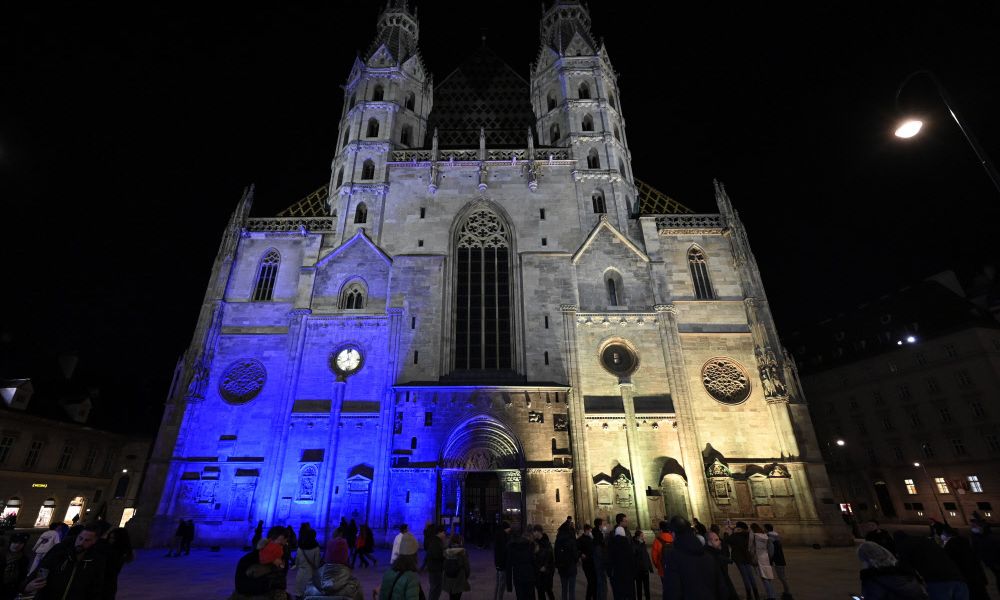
column 566, row 556
column 401, row 582
column 307, row 562
column 664, row 539
column 544, row 564
column 456, row 569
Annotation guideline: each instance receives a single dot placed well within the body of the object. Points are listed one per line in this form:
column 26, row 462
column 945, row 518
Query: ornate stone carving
column 483, row 229
column 536, row 417
column 307, row 483
column 242, row 381
column 623, row 491
column 726, row 380
column 718, row 469
column 770, row 373
column 560, row 422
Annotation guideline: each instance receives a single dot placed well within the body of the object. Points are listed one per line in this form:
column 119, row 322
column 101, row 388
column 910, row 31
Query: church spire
column 398, row 30
column 563, row 21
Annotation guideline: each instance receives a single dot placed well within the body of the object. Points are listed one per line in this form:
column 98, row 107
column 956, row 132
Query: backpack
column 564, row 554
column 452, row 566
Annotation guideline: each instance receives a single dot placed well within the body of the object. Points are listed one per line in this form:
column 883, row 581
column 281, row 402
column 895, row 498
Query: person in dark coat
column 882, row 577
column 960, row 551
column 521, row 567
column 941, row 575
column 643, row 565
column 544, row 564
column 875, row 533
column 14, row 560
column 75, row 569
column 566, row 557
column 585, row 547
column 600, row 532
column 720, row 553
column 351, row 535
column 739, row 543
column 691, row 573
column 119, row 553
column 621, row 565
column 435, row 562
column 500, row 541
column 986, row 546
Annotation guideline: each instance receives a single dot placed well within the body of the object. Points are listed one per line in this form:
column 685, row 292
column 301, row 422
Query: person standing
column 74, row 569
column 178, row 540
column 941, row 575
column 307, row 562
column 521, row 566
column 404, row 530
column 544, row 564
column 14, row 560
column 188, row 537
column 689, row 570
column 119, row 553
column 258, row 534
column 883, row 577
column 760, row 555
column 664, row 539
column 435, row 562
column 46, row 542
column 565, row 560
column 960, row 551
column 351, row 535
column 585, row 547
column 457, row 569
column 739, row 542
column 719, row 553
column 778, row 558
column 643, row 565
column 500, row 541
column 600, row 532
column 401, row 582
column 621, row 562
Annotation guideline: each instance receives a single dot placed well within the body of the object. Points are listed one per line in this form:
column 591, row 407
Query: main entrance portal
column 483, row 506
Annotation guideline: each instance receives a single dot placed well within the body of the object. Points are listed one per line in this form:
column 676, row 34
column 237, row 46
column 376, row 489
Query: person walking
column 720, row 554
column 689, row 570
column 187, row 537
column 119, row 552
column 760, row 554
column 178, row 539
column 544, row 564
column 621, row 562
column 351, row 535
column 778, row 559
column 404, row 530
column 643, row 565
column 566, row 557
column 45, row 542
column 883, row 577
column 585, row 547
column 457, row 569
column 739, row 543
column 959, row 550
column 521, row 566
column 307, row 562
column 435, row 562
column 664, row 539
column 401, row 581
column 500, row 541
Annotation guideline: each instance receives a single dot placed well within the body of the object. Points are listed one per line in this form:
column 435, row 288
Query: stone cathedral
column 485, row 316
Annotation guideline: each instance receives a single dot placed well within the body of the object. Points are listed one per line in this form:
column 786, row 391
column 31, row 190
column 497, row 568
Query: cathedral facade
column 485, row 316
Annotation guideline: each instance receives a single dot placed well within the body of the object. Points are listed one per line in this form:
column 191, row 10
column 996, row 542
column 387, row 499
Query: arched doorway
column 482, row 465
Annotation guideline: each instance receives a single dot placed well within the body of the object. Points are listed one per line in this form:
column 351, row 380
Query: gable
column 358, row 259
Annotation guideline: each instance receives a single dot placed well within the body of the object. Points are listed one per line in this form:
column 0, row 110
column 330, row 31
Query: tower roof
column 483, row 92
column 398, row 30
column 564, row 20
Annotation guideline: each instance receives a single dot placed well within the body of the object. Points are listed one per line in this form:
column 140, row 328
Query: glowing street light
column 840, row 442
column 910, row 126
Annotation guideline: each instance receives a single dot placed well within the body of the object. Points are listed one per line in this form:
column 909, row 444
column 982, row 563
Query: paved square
column 829, row 573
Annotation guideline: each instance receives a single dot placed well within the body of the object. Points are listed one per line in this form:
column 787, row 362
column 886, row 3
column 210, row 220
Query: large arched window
column 597, row 199
column 378, row 94
column 482, row 293
column 361, row 213
column 699, row 275
column 588, row 123
column 593, row 160
column 372, row 127
column 551, row 100
column 584, row 91
column 615, row 288
column 411, row 101
column 368, row 169
column 267, row 272
column 353, row 296
column 406, row 135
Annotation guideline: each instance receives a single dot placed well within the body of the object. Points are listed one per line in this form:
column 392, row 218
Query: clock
column 346, row 361
column 619, row 359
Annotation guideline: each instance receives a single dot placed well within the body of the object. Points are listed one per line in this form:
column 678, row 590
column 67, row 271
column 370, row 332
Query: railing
column 302, row 224
column 472, row 155
column 713, row 223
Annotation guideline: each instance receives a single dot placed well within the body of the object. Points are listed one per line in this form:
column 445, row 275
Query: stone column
column 330, row 456
column 687, row 433
column 634, row 457
column 582, row 484
column 777, row 406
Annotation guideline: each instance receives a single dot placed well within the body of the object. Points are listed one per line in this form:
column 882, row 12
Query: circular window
column 242, row 381
column 619, row 359
column 725, row 380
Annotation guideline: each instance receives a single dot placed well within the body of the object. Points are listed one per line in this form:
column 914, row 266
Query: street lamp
column 930, row 482
column 910, row 127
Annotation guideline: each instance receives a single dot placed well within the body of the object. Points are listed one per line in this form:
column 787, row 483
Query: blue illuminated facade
column 484, row 316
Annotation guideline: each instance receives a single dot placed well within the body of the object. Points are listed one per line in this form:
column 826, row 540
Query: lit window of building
column 911, row 488
column 974, row 484
column 942, row 485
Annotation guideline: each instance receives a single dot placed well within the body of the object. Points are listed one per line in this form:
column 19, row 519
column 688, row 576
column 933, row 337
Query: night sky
column 127, row 136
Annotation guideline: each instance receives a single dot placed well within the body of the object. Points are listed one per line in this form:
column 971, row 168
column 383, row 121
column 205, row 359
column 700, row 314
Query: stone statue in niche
column 397, row 426
column 770, row 373
column 605, row 494
column 560, row 422
column 536, row 417
column 623, row 491
column 778, row 471
column 307, row 483
column 199, row 380
column 480, row 460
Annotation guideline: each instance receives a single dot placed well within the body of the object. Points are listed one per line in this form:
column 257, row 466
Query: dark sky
column 127, row 135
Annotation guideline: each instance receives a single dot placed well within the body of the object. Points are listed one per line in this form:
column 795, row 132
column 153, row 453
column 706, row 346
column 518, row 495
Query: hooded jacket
column 691, row 573
column 663, row 540
column 460, row 582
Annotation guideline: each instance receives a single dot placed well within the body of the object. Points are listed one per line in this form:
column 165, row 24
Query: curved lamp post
column 911, row 127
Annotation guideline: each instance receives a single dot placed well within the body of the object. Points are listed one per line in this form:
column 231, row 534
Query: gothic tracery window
column 411, row 101
column 551, row 100
column 406, row 135
column 613, row 285
column 482, row 293
column 267, row 272
column 699, row 275
column 353, row 297
column 597, row 199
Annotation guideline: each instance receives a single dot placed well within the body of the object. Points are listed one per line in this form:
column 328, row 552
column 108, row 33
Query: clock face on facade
column 619, row 359
column 347, row 360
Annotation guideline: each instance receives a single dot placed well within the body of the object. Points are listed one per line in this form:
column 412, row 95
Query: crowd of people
column 78, row 562
column 942, row 565
column 691, row 560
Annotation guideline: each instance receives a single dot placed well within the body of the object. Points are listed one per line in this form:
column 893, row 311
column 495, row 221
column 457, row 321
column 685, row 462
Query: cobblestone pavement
column 826, row 574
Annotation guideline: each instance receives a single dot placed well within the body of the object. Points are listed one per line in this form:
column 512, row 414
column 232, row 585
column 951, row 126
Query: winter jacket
column 691, row 573
column 723, row 562
column 926, row 558
column 544, row 559
column 566, row 552
column 663, row 540
column 960, row 551
column 435, row 554
column 459, row 583
column 761, row 554
column 399, row 586
column 521, row 561
column 500, row 550
column 621, row 559
column 585, row 547
column 307, row 563
column 336, row 580
column 778, row 550
column 896, row 582
column 642, row 562
column 83, row 574
column 739, row 542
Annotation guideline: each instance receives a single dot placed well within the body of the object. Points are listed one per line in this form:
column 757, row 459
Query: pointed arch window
column 361, row 213
column 406, row 135
column 554, row 133
column 378, row 94
column 368, row 169
column 372, row 128
column 354, row 100
column 618, row 133
column 411, row 101
column 353, row 297
column 267, row 272
column 597, row 199
column 699, row 275
column 551, row 100
column 614, row 287
column 483, row 322
column 588, row 123
column 340, row 177
column 593, row 160
column 584, row 91
column 611, row 101
column 347, row 138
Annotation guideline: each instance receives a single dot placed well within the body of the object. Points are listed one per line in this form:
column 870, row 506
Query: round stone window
column 619, row 359
column 726, row 380
column 242, row 381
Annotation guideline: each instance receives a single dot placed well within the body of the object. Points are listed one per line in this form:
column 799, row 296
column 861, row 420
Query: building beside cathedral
column 484, row 315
